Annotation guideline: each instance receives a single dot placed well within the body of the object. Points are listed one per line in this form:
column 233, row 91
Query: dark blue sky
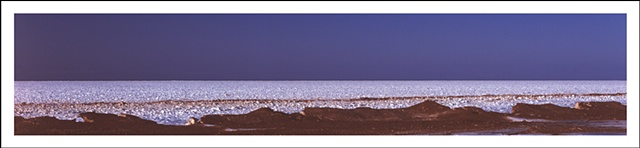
column 320, row 47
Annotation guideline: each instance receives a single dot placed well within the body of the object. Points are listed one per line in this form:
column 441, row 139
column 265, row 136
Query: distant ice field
column 173, row 102
column 145, row 91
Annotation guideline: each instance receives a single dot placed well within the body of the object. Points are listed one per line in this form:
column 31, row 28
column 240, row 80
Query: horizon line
column 333, row 80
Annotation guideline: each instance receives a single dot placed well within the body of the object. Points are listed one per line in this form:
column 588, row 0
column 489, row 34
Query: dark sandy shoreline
column 427, row 118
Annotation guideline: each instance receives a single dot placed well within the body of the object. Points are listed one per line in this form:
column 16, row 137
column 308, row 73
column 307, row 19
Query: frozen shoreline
column 176, row 111
column 428, row 117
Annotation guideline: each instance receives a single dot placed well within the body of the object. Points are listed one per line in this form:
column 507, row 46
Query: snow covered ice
column 173, row 102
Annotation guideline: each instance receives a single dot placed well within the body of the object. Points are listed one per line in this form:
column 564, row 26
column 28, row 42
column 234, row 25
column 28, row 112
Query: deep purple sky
column 320, row 47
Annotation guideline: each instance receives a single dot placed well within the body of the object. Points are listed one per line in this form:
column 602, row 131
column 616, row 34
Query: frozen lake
column 145, row 91
column 173, row 102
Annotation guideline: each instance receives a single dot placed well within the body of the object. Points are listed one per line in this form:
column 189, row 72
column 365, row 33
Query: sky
column 320, row 47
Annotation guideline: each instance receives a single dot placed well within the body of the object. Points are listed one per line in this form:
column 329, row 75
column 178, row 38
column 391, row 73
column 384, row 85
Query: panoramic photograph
column 320, row 74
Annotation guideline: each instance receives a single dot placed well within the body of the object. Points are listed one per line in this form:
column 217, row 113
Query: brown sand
column 427, row 118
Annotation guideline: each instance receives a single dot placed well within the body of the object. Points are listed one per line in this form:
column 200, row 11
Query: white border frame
column 9, row 8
